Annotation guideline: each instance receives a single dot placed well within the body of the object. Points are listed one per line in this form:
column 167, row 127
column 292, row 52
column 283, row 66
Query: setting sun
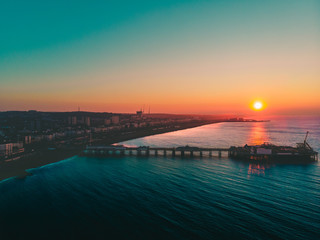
column 258, row 105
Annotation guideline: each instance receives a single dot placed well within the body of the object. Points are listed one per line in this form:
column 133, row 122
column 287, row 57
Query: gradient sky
column 178, row 56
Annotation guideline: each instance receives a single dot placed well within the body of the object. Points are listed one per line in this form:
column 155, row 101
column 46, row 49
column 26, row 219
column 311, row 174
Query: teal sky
column 118, row 55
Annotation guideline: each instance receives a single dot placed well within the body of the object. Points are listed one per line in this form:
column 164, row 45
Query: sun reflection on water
column 258, row 134
column 256, row 169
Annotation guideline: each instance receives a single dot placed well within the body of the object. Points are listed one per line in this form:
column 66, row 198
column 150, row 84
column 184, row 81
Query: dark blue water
column 165, row 198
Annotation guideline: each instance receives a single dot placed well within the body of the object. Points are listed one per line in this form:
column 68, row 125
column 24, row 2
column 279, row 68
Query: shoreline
column 17, row 168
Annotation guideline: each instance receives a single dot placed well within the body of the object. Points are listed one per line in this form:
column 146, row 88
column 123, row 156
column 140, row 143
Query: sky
column 178, row 56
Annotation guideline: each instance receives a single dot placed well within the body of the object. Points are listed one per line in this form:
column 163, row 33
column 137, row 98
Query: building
column 35, row 124
column 115, row 119
column 6, row 149
column 72, row 120
column 27, row 139
column 107, row 121
column 9, row 149
column 87, row 121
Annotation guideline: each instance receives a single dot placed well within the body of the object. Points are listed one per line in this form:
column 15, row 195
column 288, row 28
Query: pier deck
column 256, row 153
column 147, row 151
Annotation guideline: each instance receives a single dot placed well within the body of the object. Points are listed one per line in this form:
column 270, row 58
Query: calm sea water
column 166, row 198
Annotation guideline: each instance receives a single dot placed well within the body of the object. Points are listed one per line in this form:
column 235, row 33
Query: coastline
column 17, row 168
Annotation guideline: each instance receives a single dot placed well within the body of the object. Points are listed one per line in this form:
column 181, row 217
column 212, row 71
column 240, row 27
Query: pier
column 155, row 151
column 264, row 152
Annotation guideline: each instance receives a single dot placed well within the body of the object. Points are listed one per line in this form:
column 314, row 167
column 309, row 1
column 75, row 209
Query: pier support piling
column 182, row 153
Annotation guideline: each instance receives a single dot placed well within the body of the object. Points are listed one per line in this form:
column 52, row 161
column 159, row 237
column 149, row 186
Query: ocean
column 162, row 197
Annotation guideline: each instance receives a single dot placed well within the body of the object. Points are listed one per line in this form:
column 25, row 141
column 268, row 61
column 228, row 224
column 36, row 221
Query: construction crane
column 306, row 145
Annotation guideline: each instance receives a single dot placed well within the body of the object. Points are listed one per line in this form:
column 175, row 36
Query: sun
column 258, row 105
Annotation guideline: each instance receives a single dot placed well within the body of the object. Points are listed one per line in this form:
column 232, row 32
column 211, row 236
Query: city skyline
column 197, row 57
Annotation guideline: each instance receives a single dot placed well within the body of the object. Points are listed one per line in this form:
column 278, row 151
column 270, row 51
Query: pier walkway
column 155, row 151
column 256, row 153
